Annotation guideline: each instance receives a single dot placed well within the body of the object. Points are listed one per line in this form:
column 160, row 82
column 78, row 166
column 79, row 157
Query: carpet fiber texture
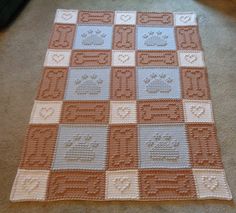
column 123, row 112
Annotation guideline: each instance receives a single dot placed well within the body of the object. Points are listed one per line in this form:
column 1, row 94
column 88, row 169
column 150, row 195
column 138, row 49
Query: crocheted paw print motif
column 163, row 147
column 81, row 148
column 93, row 38
column 155, row 39
column 88, row 85
column 155, row 83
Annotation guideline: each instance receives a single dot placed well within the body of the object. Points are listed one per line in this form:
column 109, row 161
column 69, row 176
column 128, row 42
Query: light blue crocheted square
column 155, row 38
column 81, row 147
column 88, row 84
column 93, row 37
column 163, row 146
column 158, row 83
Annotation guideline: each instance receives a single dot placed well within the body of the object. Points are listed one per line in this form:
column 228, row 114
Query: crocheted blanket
column 123, row 112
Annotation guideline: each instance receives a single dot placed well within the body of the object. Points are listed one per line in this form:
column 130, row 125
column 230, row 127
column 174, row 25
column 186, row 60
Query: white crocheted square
column 191, row 59
column 123, row 112
column 198, row 111
column 185, row 19
column 57, row 58
column 123, row 58
column 66, row 16
column 122, row 184
column 46, row 112
column 29, row 185
column 211, row 183
column 125, row 17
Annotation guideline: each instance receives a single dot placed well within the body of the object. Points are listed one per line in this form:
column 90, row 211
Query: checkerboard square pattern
column 123, row 112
